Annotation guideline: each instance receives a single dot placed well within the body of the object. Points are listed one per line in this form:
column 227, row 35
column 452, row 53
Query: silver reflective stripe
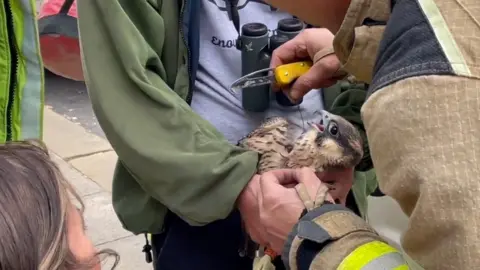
column 386, row 262
column 445, row 37
column 31, row 111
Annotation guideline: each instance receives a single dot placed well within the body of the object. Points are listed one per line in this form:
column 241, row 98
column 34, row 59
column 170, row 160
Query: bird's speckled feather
column 315, row 148
column 319, row 148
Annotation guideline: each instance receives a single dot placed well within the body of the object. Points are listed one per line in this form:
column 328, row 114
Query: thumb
column 279, row 176
column 323, row 73
column 309, row 179
column 291, row 51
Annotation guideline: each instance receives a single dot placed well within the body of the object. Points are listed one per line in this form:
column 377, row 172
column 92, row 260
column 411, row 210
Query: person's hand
column 340, row 183
column 304, row 47
column 280, row 206
column 247, row 204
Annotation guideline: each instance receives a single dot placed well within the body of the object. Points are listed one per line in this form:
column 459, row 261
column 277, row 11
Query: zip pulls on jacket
column 14, row 62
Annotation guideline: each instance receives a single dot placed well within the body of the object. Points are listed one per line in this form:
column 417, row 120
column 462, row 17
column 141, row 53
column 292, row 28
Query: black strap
column 147, row 249
column 233, row 14
column 66, row 6
column 232, row 10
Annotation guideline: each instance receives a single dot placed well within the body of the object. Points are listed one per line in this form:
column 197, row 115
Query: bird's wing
column 271, row 141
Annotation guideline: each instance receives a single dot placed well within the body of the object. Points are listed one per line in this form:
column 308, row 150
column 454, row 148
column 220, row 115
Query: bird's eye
column 333, row 129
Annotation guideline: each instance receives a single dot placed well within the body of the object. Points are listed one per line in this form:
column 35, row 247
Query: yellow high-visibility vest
column 21, row 72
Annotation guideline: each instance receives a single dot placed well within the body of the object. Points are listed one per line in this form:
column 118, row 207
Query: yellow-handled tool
column 281, row 76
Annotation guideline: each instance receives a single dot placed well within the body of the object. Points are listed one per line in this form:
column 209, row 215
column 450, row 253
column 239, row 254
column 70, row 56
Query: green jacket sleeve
column 177, row 157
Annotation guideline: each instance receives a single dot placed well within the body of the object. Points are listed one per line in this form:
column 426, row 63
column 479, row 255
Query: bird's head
column 335, row 141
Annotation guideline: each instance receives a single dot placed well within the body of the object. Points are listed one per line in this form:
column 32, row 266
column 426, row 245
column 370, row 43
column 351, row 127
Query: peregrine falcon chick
column 332, row 143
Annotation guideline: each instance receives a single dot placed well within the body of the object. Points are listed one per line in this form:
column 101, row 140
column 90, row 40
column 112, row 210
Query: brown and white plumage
column 332, row 143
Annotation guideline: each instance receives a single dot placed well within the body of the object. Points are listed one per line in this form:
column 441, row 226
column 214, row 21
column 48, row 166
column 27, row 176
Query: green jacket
column 140, row 60
column 21, row 72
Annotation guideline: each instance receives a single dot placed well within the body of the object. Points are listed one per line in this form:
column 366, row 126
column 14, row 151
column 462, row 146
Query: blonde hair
column 34, row 205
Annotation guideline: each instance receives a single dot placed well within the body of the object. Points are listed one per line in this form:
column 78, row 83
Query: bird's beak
column 320, row 126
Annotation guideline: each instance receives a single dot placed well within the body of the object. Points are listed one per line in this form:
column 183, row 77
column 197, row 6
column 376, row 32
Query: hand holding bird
column 330, row 149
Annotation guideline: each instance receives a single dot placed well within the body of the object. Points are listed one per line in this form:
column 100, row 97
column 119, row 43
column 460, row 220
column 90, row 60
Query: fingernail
column 293, row 101
column 294, row 98
column 294, row 95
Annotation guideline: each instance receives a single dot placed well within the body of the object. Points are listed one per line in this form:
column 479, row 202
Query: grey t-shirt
column 220, row 65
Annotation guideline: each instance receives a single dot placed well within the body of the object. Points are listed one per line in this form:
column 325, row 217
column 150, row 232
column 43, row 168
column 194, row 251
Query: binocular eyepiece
column 256, row 47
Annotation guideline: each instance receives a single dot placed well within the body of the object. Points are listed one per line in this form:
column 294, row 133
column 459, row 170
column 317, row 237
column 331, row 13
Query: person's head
column 41, row 228
column 320, row 13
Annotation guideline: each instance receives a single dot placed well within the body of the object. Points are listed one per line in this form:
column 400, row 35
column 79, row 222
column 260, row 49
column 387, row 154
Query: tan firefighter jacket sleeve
column 422, row 117
column 330, row 236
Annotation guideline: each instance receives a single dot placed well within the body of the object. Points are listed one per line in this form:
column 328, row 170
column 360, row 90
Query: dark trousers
column 211, row 247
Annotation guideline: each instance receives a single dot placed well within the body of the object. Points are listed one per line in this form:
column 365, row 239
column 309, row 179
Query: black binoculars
column 257, row 46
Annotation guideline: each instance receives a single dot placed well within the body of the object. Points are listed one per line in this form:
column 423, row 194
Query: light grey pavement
column 87, row 160
column 78, row 146
column 70, row 99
